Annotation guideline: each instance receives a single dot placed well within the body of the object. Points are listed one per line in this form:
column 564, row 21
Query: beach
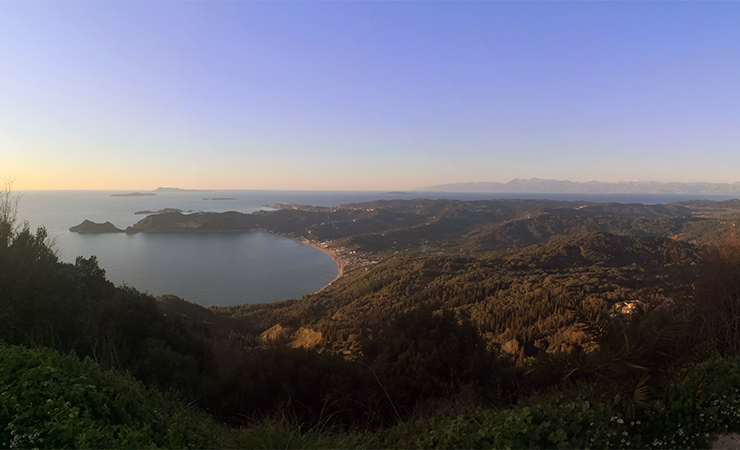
column 338, row 260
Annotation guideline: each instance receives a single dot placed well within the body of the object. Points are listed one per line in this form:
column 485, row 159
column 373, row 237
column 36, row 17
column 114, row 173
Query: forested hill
column 505, row 264
column 513, row 323
column 386, row 226
column 515, row 297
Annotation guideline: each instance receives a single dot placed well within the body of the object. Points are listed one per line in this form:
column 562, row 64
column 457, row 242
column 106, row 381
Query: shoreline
column 338, row 260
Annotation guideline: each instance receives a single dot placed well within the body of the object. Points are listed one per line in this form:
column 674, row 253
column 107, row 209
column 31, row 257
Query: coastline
column 338, row 260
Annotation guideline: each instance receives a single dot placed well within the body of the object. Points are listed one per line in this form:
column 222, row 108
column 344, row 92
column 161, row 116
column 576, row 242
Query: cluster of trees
column 414, row 334
column 74, row 308
column 514, row 298
column 419, row 358
column 388, row 226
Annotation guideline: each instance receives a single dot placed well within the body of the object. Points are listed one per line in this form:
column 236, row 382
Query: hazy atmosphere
column 366, row 95
column 369, row 224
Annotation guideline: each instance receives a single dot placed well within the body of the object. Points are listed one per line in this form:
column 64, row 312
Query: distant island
column 540, row 185
column 220, row 198
column 160, row 190
column 161, row 211
column 175, row 189
column 134, row 194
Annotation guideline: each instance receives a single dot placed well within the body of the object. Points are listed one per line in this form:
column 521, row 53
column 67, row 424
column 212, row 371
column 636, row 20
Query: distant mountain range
column 539, row 185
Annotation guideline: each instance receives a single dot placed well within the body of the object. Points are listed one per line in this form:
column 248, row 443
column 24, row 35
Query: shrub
column 50, row 400
column 422, row 355
column 299, row 384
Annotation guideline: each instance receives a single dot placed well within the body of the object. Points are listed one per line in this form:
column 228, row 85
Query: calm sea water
column 220, row 268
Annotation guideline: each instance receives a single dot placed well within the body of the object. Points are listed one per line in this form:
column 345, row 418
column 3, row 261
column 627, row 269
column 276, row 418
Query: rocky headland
column 90, row 227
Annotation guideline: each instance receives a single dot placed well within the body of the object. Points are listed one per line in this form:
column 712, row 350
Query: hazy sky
column 366, row 94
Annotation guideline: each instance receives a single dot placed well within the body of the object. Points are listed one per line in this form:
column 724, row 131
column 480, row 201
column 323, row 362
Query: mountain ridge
column 541, row 185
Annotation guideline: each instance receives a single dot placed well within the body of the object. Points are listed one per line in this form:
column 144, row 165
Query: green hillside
column 519, row 324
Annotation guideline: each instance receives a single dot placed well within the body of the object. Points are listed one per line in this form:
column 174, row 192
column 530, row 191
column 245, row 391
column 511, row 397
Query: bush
column 705, row 403
column 299, row 384
column 702, row 404
column 49, row 400
column 423, row 355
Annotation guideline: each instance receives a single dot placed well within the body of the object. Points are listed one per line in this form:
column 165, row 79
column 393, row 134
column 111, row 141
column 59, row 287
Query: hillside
column 524, row 320
column 381, row 228
column 506, row 264
column 515, row 296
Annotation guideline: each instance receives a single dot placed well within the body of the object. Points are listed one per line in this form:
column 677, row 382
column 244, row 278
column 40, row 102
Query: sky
column 366, row 95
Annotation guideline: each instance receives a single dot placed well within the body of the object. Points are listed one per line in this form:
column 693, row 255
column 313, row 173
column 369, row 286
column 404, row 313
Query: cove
column 220, row 269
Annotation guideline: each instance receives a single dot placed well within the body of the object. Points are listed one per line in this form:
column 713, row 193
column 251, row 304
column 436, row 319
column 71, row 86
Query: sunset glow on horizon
column 366, row 95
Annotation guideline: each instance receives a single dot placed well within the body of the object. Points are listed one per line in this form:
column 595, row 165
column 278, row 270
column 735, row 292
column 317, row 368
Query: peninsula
column 361, row 233
column 516, row 282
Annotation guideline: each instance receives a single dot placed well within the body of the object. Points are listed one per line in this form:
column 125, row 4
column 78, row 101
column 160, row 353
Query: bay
column 222, row 268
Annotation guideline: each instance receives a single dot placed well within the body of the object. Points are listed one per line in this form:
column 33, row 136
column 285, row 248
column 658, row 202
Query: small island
column 161, row 211
column 176, row 189
column 90, row 227
column 134, row 194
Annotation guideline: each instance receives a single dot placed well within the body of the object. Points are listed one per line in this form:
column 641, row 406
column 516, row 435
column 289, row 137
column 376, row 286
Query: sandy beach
column 332, row 254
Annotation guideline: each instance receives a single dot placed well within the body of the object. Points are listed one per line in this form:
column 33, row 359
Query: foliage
column 422, row 355
column 50, row 400
column 719, row 294
column 387, row 226
column 557, row 423
column 294, row 383
column 513, row 298
column 634, row 354
column 424, row 336
column 695, row 407
column 285, row 433
column 131, row 333
column 44, row 302
column 706, row 402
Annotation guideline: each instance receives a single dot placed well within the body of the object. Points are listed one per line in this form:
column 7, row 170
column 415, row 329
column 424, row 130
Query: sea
column 223, row 269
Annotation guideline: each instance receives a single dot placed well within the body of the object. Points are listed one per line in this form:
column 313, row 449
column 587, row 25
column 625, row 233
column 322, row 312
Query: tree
column 424, row 354
column 8, row 214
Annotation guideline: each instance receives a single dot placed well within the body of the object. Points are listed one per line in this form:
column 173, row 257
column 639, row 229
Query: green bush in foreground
column 705, row 403
column 555, row 424
column 48, row 400
column 288, row 434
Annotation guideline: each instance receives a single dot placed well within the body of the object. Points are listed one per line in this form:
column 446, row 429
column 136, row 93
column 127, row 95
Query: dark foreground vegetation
column 587, row 339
